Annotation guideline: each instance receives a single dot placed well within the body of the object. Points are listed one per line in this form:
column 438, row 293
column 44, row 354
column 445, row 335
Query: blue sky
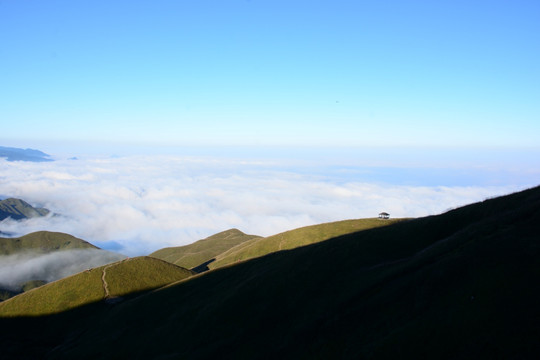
column 273, row 73
column 269, row 114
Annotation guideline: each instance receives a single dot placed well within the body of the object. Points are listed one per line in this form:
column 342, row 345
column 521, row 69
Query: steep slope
column 108, row 282
column 19, row 209
column 295, row 238
column 204, row 250
column 458, row 285
column 42, row 242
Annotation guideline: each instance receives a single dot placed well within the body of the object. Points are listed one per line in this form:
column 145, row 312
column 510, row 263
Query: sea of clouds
column 138, row 204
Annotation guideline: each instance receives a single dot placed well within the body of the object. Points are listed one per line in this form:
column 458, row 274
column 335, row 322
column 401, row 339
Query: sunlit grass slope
column 108, row 281
column 142, row 273
column 295, row 238
column 42, row 242
column 459, row 285
column 201, row 251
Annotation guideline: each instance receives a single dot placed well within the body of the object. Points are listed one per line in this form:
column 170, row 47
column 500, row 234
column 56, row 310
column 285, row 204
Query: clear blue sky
column 271, row 72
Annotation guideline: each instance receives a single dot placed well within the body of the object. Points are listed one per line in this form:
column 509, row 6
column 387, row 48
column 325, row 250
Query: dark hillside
column 459, row 285
column 295, row 238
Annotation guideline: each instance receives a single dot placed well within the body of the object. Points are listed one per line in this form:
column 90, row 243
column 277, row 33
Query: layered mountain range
column 461, row 284
column 18, row 209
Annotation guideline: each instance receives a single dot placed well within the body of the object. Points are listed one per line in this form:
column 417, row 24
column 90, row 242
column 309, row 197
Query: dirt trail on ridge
column 105, row 284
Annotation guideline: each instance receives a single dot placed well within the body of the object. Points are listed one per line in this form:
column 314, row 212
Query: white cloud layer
column 138, row 204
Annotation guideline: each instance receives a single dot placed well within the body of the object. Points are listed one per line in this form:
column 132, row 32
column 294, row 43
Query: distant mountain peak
column 17, row 154
column 18, row 209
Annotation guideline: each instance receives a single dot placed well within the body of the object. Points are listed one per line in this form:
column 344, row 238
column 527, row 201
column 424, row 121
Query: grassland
column 32, row 284
column 76, row 290
column 295, row 238
column 201, row 251
column 42, row 242
column 109, row 281
column 458, row 285
column 141, row 274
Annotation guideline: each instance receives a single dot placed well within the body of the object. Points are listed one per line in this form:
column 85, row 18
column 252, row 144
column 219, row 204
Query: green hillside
column 295, row 238
column 105, row 282
column 458, row 285
column 204, row 250
column 42, row 245
column 19, row 209
column 32, row 284
column 42, row 242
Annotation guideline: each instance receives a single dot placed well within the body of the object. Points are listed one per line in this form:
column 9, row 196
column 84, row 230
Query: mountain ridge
column 18, row 154
column 40, row 257
column 295, row 238
column 42, row 242
column 19, row 209
column 455, row 285
column 107, row 283
column 202, row 251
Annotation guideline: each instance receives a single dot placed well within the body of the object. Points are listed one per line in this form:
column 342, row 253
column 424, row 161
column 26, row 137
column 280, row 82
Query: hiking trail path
column 104, row 281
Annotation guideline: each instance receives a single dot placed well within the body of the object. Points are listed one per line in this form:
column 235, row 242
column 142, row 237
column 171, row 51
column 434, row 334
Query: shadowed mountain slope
column 204, row 250
column 457, row 285
column 295, row 238
column 108, row 282
column 6, row 294
column 42, row 242
column 19, row 209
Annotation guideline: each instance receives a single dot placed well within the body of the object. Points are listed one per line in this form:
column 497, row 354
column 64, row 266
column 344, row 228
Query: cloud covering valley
column 19, row 268
column 138, row 204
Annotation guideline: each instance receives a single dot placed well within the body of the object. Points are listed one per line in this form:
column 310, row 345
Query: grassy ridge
column 458, row 285
column 42, row 242
column 122, row 278
column 142, row 273
column 192, row 255
column 295, row 238
column 76, row 290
